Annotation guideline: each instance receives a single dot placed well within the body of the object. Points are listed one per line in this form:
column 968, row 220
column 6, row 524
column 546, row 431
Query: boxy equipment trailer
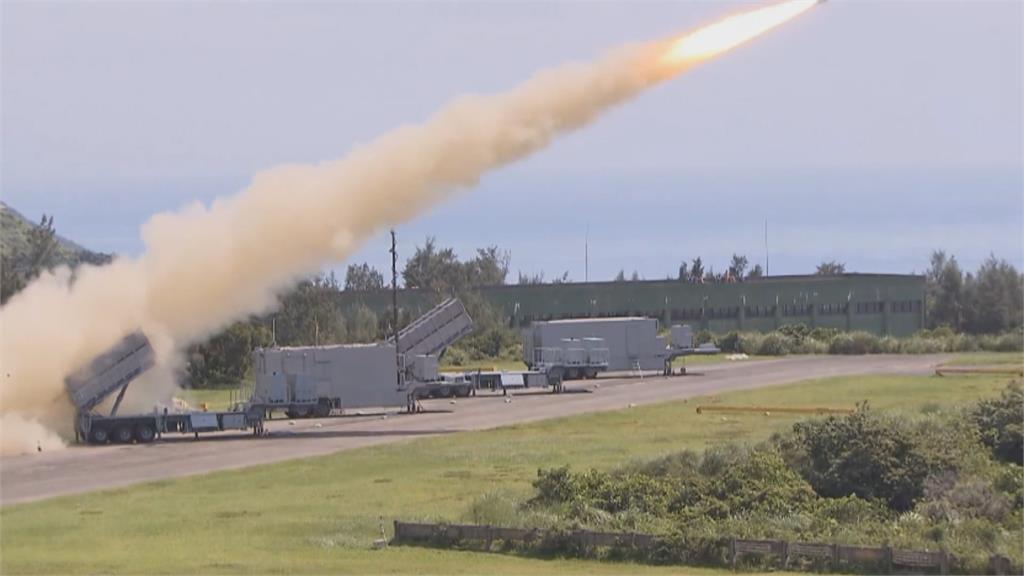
column 113, row 371
column 566, row 349
column 313, row 381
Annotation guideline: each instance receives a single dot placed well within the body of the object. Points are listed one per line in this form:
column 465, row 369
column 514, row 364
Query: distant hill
column 14, row 243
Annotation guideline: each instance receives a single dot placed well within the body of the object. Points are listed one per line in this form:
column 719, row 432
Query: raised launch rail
column 439, row 328
column 113, row 370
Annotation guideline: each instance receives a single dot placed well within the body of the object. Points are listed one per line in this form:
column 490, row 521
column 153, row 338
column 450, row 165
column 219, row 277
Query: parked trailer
column 113, row 371
column 630, row 344
column 447, row 386
column 494, row 380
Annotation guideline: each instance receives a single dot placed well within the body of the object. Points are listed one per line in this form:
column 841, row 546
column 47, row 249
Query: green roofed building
column 884, row 304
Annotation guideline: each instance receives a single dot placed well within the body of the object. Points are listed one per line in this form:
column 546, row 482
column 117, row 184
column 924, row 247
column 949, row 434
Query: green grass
column 487, row 366
column 321, row 515
column 214, row 398
column 1009, row 359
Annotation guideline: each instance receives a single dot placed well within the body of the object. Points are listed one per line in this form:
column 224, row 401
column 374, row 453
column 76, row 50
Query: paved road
column 88, row 468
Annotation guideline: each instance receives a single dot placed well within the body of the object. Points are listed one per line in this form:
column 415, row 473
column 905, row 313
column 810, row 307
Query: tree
column 563, row 279
column 440, row 271
column 635, row 277
column 684, row 271
column 224, row 359
column 491, row 337
column 697, row 269
column 995, row 295
column 309, row 314
column 18, row 270
column 11, row 279
column 435, row 269
column 831, row 268
column 738, row 266
column 363, row 277
column 945, row 291
column 756, row 272
column 530, row 279
column 42, row 247
column 621, row 276
column 489, row 268
column 362, row 324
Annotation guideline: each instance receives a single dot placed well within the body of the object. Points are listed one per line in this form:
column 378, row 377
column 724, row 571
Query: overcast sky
column 867, row 132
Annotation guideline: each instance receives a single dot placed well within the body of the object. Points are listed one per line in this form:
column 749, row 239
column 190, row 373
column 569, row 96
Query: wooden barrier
column 769, row 409
column 885, row 559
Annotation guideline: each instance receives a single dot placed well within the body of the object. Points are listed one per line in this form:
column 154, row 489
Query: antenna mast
column 394, row 307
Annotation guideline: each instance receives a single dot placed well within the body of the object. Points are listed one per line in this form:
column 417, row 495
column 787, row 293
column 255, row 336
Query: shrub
column 455, row 356
column 704, row 337
column 809, row 346
column 1009, row 342
column 603, row 491
column 890, row 345
column 854, row 343
column 774, row 344
column 920, row 345
column 749, row 342
column 941, row 333
column 730, row 342
column 763, row 483
column 1000, row 421
column 795, row 331
column 824, row 334
column 495, row 509
column 949, row 499
column 865, row 455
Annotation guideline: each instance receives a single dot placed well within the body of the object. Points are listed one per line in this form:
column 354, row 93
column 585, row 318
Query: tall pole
column 394, row 307
column 586, row 255
column 765, row 246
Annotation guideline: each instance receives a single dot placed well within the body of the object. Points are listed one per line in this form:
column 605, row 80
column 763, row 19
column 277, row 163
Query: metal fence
column 887, row 559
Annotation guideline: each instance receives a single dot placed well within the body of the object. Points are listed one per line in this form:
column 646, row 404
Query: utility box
column 682, row 337
column 424, row 368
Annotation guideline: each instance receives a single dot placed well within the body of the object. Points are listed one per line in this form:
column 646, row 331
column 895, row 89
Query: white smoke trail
column 207, row 266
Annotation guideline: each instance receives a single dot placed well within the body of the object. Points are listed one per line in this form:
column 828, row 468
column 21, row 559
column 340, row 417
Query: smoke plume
column 206, row 266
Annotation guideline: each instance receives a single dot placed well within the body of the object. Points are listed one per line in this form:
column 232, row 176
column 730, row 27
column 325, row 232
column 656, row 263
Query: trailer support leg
column 117, row 402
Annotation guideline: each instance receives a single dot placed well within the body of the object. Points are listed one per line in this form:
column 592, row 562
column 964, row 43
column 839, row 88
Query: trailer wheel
column 145, row 433
column 99, row 435
column 123, row 435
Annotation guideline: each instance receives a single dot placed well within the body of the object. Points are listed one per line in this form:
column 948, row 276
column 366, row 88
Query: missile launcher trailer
column 582, row 347
column 309, row 381
column 89, row 387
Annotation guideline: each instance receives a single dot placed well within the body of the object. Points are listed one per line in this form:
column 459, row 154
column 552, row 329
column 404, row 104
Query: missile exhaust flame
column 731, row 31
column 207, row 266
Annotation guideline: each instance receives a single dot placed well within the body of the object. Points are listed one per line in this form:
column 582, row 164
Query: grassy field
column 321, row 515
column 1008, row 359
column 214, row 398
column 487, row 366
